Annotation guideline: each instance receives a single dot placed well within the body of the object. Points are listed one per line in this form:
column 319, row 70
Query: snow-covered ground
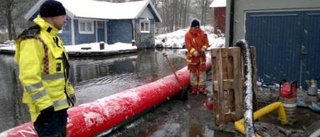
column 96, row 47
column 172, row 40
column 88, row 47
column 176, row 39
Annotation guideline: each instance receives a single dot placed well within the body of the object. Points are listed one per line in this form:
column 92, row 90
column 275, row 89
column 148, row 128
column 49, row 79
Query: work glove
column 47, row 111
column 203, row 50
column 195, row 54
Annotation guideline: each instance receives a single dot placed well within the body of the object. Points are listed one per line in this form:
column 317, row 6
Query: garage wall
column 311, row 42
column 286, row 34
column 287, row 44
column 243, row 6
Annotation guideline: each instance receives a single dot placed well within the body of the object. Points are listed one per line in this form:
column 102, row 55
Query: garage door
column 287, row 44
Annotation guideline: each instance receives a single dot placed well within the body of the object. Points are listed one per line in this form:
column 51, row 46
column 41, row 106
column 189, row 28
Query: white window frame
column 144, row 22
column 60, row 31
column 86, row 23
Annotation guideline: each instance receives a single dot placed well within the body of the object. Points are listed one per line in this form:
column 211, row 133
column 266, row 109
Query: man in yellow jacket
column 44, row 71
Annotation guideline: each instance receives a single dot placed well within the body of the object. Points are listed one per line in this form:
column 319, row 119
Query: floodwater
column 96, row 78
column 93, row 78
column 173, row 118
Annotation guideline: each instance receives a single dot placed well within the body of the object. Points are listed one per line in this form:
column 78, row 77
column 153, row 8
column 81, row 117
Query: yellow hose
column 239, row 125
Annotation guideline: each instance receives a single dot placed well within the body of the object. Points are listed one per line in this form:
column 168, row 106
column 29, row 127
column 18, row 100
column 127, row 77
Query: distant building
column 285, row 34
column 219, row 15
column 94, row 21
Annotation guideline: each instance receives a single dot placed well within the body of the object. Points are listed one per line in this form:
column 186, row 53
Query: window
column 86, row 27
column 145, row 26
column 65, row 28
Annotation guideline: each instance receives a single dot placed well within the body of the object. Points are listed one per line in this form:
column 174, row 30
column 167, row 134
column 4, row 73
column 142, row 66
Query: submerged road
column 93, row 78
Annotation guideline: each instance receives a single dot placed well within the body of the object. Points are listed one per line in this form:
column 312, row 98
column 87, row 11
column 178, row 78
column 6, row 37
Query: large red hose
column 93, row 118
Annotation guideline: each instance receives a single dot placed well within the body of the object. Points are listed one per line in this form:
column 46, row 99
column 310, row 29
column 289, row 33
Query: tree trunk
column 9, row 24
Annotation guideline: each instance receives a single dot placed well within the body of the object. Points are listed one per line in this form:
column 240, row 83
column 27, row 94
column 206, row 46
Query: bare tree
column 185, row 9
column 156, row 3
column 176, row 14
column 6, row 10
column 203, row 5
column 13, row 10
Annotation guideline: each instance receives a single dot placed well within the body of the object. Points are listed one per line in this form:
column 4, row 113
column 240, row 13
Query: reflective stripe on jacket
column 42, row 71
column 195, row 40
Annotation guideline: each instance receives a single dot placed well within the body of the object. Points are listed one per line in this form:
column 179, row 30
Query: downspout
column 249, row 117
column 133, row 41
column 231, row 22
column 73, row 38
column 96, row 31
column 106, row 31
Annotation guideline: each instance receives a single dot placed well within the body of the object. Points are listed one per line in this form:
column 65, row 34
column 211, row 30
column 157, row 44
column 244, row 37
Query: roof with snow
column 101, row 9
column 218, row 3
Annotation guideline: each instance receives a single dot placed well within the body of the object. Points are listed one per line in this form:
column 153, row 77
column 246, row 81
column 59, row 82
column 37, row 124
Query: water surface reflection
column 93, row 78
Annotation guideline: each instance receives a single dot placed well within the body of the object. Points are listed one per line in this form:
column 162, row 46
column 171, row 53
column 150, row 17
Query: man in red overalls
column 197, row 43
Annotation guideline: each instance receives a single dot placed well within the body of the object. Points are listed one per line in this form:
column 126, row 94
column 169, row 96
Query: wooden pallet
column 228, row 83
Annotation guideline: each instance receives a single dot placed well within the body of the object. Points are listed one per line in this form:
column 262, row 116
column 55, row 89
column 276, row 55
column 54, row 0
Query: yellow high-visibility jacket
column 43, row 69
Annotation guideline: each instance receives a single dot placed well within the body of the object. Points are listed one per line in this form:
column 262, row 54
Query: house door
column 101, row 31
column 286, row 43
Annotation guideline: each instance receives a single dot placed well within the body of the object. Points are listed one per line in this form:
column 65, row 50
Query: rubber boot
column 194, row 90
column 202, row 89
column 207, row 104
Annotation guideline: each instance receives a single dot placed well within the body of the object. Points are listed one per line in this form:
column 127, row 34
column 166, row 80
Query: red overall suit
column 197, row 43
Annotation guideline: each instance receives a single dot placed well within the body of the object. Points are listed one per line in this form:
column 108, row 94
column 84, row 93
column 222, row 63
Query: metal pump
column 313, row 89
